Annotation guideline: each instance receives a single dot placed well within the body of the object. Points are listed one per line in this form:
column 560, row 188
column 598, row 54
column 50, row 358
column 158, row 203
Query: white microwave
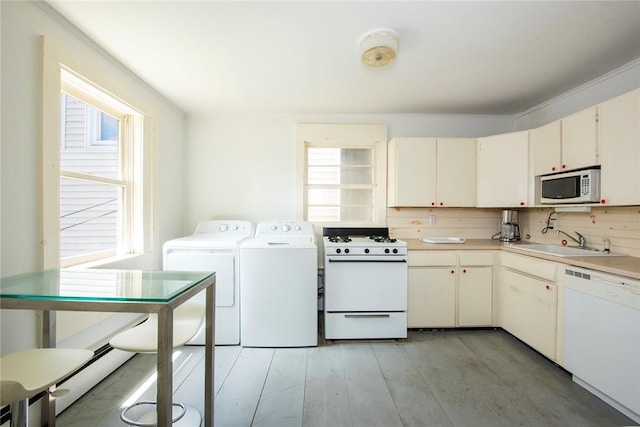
column 581, row 186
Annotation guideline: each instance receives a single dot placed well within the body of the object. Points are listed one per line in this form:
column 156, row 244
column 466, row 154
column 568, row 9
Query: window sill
column 106, row 262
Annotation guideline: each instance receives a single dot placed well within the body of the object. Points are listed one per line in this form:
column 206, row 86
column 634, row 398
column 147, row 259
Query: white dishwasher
column 602, row 336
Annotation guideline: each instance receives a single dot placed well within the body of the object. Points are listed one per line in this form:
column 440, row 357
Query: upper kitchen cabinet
column 580, row 140
column 430, row 172
column 411, row 174
column 619, row 134
column 567, row 144
column 546, row 151
column 503, row 173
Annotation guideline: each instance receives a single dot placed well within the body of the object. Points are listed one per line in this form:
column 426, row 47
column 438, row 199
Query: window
column 96, row 192
column 344, row 173
column 96, row 179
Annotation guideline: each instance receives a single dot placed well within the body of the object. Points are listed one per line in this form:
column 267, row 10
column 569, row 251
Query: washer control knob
column 236, row 228
column 224, row 227
column 298, row 228
column 274, row 227
column 286, row 228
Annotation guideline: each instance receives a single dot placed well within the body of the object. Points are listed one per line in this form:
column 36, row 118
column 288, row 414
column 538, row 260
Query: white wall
column 21, row 231
column 244, row 166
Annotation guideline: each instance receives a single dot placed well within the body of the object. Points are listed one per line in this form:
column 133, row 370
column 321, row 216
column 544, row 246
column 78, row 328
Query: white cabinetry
column 546, row 151
column 529, row 301
column 619, row 129
column 580, row 139
column 449, row 289
column 503, row 173
column 426, row 172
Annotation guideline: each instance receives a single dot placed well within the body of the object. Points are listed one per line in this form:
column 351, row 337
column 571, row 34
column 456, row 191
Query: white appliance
column 365, row 284
column 602, row 336
column 214, row 247
column 278, row 283
column 582, row 186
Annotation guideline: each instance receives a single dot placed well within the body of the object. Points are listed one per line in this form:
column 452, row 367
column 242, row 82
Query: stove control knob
column 286, row 228
column 338, row 251
column 386, row 251
column 395, row 251
column 346, row 251
column 366, row 251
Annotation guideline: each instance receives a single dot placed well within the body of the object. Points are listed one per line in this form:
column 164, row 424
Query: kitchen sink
column 562, row 251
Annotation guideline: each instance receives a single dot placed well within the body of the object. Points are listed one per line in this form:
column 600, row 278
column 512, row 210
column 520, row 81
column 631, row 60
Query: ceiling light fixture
column 378, row 47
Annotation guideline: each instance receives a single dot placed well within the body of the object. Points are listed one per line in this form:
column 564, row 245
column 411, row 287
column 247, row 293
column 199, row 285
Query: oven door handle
column 368, row 260
column 366, row 316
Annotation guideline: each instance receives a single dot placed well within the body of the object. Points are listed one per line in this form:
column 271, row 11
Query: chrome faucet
column 581, row 241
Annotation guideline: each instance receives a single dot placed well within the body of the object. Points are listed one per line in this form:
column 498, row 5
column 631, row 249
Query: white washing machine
column 214, row 247
column 278, row 283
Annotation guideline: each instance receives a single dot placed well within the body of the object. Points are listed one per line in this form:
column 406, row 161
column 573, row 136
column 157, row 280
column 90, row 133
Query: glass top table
column 133, row 291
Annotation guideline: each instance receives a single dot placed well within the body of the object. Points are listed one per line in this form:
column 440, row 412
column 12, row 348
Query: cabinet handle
column 547, row 287
column 564, row 166
column 521, row 203
column 553, row 169
column 603, row 201
column 464, row 271
column 453, row 271
column 433, row 203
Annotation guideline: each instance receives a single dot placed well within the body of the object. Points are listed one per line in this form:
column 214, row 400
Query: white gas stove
column 365, row 284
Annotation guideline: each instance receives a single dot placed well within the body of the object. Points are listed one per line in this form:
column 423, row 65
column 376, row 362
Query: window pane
column 356, row 156
column 88, row 217
column 82, row 149
column 109, row 127
column 323, row 214
column 324, row 196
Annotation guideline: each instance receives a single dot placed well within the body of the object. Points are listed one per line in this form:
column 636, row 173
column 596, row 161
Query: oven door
column 366, row 283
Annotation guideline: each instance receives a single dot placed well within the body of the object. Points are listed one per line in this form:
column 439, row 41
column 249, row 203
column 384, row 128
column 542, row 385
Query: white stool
column 187, row 320
column 24, row 374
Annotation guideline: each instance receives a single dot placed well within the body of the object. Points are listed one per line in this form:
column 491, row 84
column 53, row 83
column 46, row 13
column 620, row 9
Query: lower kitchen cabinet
column 529, row 302
column 432, row 297
column 475, row 296
column 450, row 289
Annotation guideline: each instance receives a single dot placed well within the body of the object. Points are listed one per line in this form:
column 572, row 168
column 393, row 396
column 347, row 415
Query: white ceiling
column 476, row 57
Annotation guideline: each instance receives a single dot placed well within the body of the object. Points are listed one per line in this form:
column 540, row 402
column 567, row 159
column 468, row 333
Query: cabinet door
column 432, row 297
column 475, row 296
column 529, row 311
column 456, row 172
column 619, row 128
column 411, row 177
column 503, row 174
column 579, row 140
column 546, row 148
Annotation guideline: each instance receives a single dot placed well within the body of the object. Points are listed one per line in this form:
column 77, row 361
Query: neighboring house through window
column 343, row 171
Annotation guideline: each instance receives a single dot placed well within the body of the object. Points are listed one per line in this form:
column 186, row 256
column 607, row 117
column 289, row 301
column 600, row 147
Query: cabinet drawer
column 432, row 259
column 531, row 266
column 475, row 258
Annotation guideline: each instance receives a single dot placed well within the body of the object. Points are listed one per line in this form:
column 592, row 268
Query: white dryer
column 279, row 287
column 214, row 247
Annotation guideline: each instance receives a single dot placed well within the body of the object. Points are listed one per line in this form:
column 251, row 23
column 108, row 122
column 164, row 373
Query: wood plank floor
column 434, row 378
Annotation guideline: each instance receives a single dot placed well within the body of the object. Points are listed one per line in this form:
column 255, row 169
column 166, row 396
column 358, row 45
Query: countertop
column 622, row 265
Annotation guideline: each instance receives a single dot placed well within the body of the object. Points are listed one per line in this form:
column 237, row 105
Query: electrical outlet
column 552, row 223
column 432, row 220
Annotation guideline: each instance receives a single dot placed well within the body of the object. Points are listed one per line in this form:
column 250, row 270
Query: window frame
column 344, row 136
column 88, row 85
